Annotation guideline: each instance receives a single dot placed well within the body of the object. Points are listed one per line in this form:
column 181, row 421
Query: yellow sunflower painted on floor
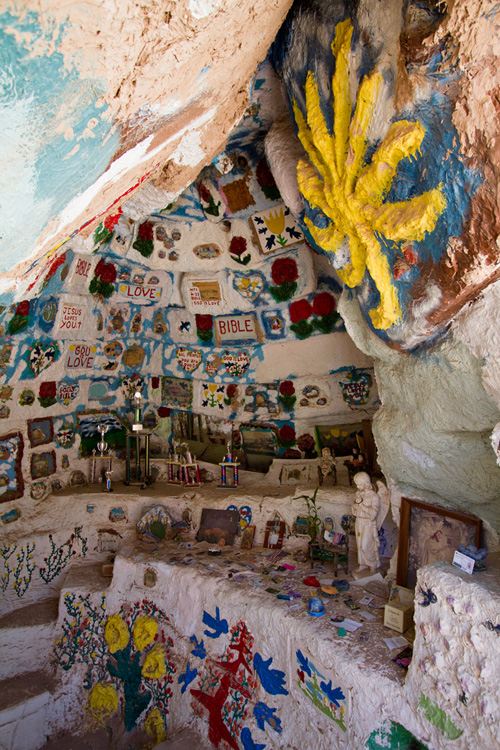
column 337, row 180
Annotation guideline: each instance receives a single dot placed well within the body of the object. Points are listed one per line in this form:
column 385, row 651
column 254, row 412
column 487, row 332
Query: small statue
column 370, row 510
column 327, row 465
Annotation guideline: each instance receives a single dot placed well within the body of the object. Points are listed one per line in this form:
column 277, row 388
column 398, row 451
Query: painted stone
column 27, row 397
column 212, row 364
column 49, row 311
column 134, row 356
column 130, row 385
column 81, row 357
column 236, row 328
column 236, row 364
column 38, row 490
column 65, row 436
column 356, row 388
column 159, row 325
column 203, row 295
column 150, row 578
column 313, row 396
column 156, row 521
column 113, row 348
column 41, row 354
column 249, row 286
column 10, row 516
column 5, row 354
column 275, row 228
column 213, row 395
column 6, row 393
column 40, row 431
column 66, row 392
column 140, row 294
column 188, row 359
column 77, row 478
column 43, row 464
column 208, row 251
column 117, row 514
column 176, row 392
column 136, row 324
column 4, row 412
column 56, row 485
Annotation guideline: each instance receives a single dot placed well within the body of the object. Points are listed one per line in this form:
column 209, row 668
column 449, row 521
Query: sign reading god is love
column 236, row 364
column 189, row 359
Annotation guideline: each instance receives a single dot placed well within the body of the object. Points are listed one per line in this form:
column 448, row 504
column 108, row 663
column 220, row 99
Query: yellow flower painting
column 116, row 633
column 103, row 701
column 144, row 631
column 154, row 667
column 336, row 179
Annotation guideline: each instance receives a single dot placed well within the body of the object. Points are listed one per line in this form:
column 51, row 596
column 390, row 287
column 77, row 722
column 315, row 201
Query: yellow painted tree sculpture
column 337, row 180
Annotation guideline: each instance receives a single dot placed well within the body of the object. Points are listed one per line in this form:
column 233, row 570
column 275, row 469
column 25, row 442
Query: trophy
column 102, row 446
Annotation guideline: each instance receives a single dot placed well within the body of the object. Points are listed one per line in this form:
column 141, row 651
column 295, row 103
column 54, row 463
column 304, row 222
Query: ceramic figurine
column 327, row 465
column 370, row 510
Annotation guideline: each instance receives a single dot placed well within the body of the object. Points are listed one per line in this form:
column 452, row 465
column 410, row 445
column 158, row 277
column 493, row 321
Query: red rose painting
column 283, row 270
column 323, row 303
column 300, row 310
column 287, row 388
column 284, row 273
column 287, row 395
column 204, row 322
column 204, row 325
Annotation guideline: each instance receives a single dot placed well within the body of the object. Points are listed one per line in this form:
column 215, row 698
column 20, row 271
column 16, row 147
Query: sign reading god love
column 236, row 364
column 189, row 359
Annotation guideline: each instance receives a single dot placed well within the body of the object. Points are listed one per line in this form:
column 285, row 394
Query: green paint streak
column 393, row 736
column 439, row 718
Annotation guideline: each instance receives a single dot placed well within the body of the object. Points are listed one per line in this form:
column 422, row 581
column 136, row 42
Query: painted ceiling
column 106, row 106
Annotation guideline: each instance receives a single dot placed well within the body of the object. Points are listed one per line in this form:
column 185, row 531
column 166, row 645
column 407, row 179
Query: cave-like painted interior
column 268, row 228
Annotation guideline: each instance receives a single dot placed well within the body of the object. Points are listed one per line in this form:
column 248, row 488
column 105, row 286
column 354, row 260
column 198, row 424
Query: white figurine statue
column 370, row 510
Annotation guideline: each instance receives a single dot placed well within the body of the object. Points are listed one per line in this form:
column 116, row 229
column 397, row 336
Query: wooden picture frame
column 428, row 533
column 247, row 536
column 275, row 530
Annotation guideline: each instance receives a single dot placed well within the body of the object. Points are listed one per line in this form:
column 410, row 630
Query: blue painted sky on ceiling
column 55, row 140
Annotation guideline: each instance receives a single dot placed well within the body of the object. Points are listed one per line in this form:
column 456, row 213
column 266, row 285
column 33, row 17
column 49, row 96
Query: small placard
column 464, row 562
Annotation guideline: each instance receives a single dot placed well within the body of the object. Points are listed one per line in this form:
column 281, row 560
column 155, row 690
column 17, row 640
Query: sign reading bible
column 236, row 328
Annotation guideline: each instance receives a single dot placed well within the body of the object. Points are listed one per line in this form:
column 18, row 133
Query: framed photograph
column 40, row 431
column 247, row 537
column 428, row 533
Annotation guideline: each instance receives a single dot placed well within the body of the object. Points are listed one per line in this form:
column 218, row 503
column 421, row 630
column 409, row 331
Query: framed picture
column 43, row 464
column 275, row 531
column 218, row 525
column 40, row 431
column 258, row 441
column 247, row 537
column 343, row 438
column 11, row 475
column 428, row 533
